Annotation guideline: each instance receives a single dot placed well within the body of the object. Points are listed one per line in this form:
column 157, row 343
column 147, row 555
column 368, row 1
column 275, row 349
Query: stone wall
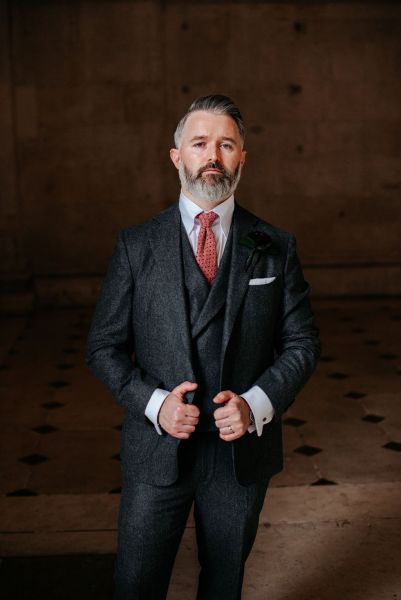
column 90, row 93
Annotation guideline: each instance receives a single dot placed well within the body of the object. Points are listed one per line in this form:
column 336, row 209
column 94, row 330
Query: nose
column 214, row 153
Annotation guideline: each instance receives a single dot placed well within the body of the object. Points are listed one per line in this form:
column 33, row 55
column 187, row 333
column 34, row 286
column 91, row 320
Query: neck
column 204, row 204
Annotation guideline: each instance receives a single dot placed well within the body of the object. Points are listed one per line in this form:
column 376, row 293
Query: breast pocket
column 262, row 298
column 262, row 280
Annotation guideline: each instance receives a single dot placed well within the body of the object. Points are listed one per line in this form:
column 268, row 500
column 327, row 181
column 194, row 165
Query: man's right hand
column 175, row 416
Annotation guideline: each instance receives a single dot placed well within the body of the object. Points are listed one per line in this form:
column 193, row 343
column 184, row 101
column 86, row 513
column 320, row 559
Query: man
column 204, row 333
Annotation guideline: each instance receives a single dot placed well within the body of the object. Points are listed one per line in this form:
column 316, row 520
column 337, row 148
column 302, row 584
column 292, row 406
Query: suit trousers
column 152, row 520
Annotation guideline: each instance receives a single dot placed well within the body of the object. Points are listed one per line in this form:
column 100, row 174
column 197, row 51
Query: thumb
column 222, row 397
column 184, row 387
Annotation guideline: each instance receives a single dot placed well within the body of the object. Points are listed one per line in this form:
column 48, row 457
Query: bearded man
column 203, row 332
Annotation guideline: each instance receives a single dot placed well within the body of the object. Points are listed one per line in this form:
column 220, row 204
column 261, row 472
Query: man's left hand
column 232, row 419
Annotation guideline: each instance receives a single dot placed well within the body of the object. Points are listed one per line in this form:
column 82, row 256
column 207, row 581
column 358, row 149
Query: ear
column 175, row 157
column 243, row 157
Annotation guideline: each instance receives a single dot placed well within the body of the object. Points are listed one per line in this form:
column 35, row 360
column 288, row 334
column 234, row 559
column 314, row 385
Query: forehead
column 208, row 124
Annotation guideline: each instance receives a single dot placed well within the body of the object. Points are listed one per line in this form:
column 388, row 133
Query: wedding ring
column 231, row 429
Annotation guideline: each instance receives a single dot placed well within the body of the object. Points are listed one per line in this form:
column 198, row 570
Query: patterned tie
column 206, row 253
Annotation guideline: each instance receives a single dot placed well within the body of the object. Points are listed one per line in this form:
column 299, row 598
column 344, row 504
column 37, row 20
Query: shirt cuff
column 154, row 405
column 261, row 407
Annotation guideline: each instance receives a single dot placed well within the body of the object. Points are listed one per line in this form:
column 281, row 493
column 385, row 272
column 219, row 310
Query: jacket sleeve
column 111, row 344
column 296, row 339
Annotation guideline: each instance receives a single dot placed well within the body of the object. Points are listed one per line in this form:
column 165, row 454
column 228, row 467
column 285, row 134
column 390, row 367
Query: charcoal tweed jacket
column 141, row 338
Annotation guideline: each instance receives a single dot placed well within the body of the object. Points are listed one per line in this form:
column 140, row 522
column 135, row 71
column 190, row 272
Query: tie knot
column 207, row 219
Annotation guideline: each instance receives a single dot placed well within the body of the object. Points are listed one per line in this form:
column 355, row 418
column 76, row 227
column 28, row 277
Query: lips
column 213, row 171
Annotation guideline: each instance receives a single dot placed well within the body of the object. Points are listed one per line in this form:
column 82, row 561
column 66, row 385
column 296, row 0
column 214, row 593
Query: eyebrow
column 203, row 137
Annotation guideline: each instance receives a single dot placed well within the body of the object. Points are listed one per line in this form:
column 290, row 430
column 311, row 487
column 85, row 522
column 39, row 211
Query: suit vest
column 206, row 309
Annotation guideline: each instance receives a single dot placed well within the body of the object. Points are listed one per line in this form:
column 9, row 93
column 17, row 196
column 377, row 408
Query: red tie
column 206, row 254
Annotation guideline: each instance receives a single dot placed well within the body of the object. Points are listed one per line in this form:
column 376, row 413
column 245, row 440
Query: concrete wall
column 90, row 93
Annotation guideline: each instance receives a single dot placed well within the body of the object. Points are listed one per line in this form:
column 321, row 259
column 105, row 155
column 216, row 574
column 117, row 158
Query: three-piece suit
column 157, row 323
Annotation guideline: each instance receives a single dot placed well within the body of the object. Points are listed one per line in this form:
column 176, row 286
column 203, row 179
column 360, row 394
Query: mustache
column 213, row 165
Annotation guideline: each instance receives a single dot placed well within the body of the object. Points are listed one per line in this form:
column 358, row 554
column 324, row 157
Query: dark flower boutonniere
column 257, row 241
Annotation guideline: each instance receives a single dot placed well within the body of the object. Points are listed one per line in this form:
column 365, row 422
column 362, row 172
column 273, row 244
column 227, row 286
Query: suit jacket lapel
column 166, row 246
column 238, row 280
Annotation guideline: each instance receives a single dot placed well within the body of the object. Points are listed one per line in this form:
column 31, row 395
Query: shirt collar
column 189, row 210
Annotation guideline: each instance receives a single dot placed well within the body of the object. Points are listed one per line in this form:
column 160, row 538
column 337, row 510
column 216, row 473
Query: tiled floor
column 60, row 428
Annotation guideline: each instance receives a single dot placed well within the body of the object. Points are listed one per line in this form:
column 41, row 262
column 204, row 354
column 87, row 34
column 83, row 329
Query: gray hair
column 216, row 103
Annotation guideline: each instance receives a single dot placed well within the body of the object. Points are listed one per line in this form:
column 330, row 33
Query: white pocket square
column 261, row 280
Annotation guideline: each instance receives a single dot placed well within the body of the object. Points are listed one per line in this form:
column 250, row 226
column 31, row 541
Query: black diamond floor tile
column 116, row 457
column 294, row 422
column 116, row 490
column 358, row 330
column 307, row 450
column 33, row 459
column 346, row 319
column 373, row 418
column 65, row 366
column 22, row 492
column 323, row 481
column 70, row 350
column 393, row 446
column 396, row 317
column 355, row 395
column 53, row 404
column 75, row 336
column 327, row 359
column 45, row 429
column 371, row 342
column 118, row 427
column 338, row 376
column 388, row 356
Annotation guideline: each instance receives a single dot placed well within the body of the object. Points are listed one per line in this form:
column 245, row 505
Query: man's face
column 210, row 157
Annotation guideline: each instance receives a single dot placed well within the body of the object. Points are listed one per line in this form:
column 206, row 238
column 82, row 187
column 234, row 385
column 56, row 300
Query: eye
column 226, row 146
column 198, row 144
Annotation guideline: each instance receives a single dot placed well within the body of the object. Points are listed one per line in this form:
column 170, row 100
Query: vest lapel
column 218, row 291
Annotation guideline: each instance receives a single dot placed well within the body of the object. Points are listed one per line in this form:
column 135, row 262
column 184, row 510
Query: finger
column 191, row 420
column 191, row 410
column 182, row 418
column 181, row 431
column 184, row 387
column 221, row 423
column 223, row 397
column 227, row 435
column 223, row 413
column 180, row 436
column 186, row 428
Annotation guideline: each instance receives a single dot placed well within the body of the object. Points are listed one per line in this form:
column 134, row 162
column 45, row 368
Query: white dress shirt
column 256, row 398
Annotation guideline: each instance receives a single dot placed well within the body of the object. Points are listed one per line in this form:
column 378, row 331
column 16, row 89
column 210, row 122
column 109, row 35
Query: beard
column 211, row 187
